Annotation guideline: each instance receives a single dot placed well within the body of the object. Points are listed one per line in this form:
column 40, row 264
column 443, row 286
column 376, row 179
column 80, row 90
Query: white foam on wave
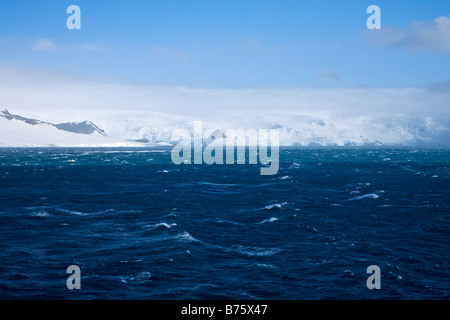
column 263, row 265
column 274, row 206
column 366, row 196
column 140, row 278
column 228, row 221
column 77, row 213
column 253, row 251
column 120, row 151
column 248, row 251
column 162, row 224
column 218, row 184
column 185, row 237
column 364, row 184
column 108, row 211
column 295, row 165
column 272, row 219
column 41, row 214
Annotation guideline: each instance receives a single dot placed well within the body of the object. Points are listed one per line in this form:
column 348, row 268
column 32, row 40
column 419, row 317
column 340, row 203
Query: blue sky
column 234, row 43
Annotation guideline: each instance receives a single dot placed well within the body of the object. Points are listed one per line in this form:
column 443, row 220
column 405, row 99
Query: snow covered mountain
column 85, row 127
column 297, row 130
column 19, row 131
column 153, row 129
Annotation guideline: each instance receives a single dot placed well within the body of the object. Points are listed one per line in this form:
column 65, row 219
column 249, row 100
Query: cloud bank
column 326, row 116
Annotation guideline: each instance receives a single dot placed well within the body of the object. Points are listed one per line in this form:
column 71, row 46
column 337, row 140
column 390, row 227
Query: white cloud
column 44, row 44
column 36, row 89
column 428, row 36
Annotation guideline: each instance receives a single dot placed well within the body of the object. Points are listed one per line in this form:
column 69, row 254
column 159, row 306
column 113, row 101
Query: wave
column 366, row 196
column 272, row 219
column 248, row 251
column 140, row 278
column 264, row 265
column 218, row 184
column 120, row 151
column 159, row 225
column 185, row 237
column 374, row 195
column 41, row 214
column 253, row 251
column 103, row 212
column 273, row 206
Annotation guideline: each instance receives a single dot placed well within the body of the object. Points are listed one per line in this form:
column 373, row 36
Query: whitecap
column 41, row 214
column 253, row 251
column 73, row 212
column 272, row 219
column 263, row 265
column 162, row 224
column 143, row 276
column 274, row 206
column 228, row 221
column 349, row 272
column 120, row 151
column 185, row 237
column 140, row 278
column 366, row 196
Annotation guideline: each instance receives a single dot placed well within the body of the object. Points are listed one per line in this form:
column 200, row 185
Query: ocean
column 140, row 227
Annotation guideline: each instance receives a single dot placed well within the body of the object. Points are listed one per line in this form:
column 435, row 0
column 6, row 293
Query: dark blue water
column 140, row 227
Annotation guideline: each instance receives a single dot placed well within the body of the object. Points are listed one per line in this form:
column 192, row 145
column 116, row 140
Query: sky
column 233, row 44
column 136, row 67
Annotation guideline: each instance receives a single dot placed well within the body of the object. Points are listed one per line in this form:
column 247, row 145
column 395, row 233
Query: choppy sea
column 140, row 227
